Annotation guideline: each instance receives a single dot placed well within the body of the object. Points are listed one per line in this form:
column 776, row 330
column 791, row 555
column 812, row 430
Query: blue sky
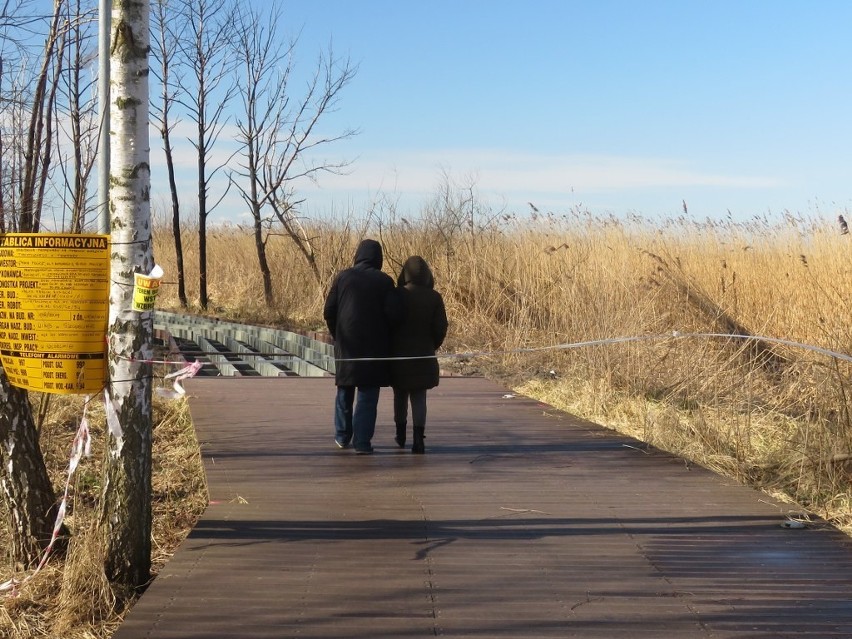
column 617, row 106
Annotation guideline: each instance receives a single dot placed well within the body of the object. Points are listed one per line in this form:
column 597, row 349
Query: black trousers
column 401, row 399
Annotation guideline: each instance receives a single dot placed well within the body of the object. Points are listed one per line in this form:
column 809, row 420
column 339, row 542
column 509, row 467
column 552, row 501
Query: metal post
column 103, row 95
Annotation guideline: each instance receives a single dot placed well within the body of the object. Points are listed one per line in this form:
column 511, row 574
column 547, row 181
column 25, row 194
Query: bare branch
column 204, row 29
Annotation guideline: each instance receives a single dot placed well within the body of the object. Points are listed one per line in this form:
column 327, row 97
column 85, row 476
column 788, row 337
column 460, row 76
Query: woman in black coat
column 419, row 336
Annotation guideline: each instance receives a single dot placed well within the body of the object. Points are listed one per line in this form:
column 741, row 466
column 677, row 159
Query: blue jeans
column 358, row 425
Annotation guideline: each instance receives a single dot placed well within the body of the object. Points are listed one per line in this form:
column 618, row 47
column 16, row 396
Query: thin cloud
column 504, row 171
column 414, row 177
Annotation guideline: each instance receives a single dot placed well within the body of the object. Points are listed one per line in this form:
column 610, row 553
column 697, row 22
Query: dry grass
column 777, row 417
column 70, row 598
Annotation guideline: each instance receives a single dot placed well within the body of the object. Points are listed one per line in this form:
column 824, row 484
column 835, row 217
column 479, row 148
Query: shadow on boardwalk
column 520, row 521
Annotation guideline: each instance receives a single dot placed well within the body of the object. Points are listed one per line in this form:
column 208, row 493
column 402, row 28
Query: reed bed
column 774, row 415
column 607, row 318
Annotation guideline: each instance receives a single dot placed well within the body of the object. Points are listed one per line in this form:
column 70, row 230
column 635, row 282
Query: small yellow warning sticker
column 145, row 289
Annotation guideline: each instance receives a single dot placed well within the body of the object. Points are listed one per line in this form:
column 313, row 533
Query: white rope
column 553, row 347
column 82, row 442
column 610, row 340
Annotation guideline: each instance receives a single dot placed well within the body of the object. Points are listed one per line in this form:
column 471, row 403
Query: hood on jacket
column 369, row 253
column 416, row 271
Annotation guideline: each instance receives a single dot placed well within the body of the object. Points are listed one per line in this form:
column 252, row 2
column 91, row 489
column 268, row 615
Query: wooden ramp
column 519, row 522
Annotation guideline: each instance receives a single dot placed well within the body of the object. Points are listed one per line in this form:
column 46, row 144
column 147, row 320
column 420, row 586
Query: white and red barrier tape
column 81, row 447
column 82, row 441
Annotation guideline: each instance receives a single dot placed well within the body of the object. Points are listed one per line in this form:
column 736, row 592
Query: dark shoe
column 419, row 447
column 341, row 444
column 400, row 436
column 364, row 451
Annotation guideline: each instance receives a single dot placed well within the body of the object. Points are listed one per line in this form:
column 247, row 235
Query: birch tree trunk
column 126, row 500
column 25, row 487
column 24, row 483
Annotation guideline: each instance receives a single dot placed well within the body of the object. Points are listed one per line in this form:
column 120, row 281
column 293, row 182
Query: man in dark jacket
column 356, row 313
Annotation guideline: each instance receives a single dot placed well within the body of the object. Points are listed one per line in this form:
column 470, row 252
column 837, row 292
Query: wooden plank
column 520, row 522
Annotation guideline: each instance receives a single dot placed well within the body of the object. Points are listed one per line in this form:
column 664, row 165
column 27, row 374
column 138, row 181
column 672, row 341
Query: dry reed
column 70, row 597
column 777, row 417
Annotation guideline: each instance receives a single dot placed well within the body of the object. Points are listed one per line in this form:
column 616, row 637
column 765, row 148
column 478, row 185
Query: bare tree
column 277, row 133
column 78, row 110
column 264, row 64
column 206, row 27
column 49, row 126
column 15, row 78
column 27, row 493
column 8, row 156
column 39, row 141
column 125, row 517
column 164, row 50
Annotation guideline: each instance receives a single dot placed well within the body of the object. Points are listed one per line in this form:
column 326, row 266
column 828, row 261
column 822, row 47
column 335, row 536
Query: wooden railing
column 233, row 349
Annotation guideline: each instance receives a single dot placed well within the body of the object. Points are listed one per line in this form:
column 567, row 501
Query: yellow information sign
column 54, row 308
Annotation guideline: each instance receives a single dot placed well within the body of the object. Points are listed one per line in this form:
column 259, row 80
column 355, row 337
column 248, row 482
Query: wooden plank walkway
column 519, row 522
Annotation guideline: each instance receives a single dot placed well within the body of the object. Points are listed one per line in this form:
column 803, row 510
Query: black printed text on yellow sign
column 145, row 293
column 54, row 305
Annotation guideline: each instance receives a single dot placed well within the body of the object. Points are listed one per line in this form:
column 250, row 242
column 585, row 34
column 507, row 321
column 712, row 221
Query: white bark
column 126, row 514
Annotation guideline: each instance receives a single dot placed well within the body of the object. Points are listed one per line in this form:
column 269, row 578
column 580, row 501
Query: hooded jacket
column 357, row 317
column 422, row 330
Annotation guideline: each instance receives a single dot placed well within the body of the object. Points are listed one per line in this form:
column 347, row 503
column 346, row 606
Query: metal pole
column 103, row 96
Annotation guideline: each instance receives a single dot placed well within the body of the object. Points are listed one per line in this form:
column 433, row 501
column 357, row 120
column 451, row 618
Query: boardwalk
column 518, row 522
